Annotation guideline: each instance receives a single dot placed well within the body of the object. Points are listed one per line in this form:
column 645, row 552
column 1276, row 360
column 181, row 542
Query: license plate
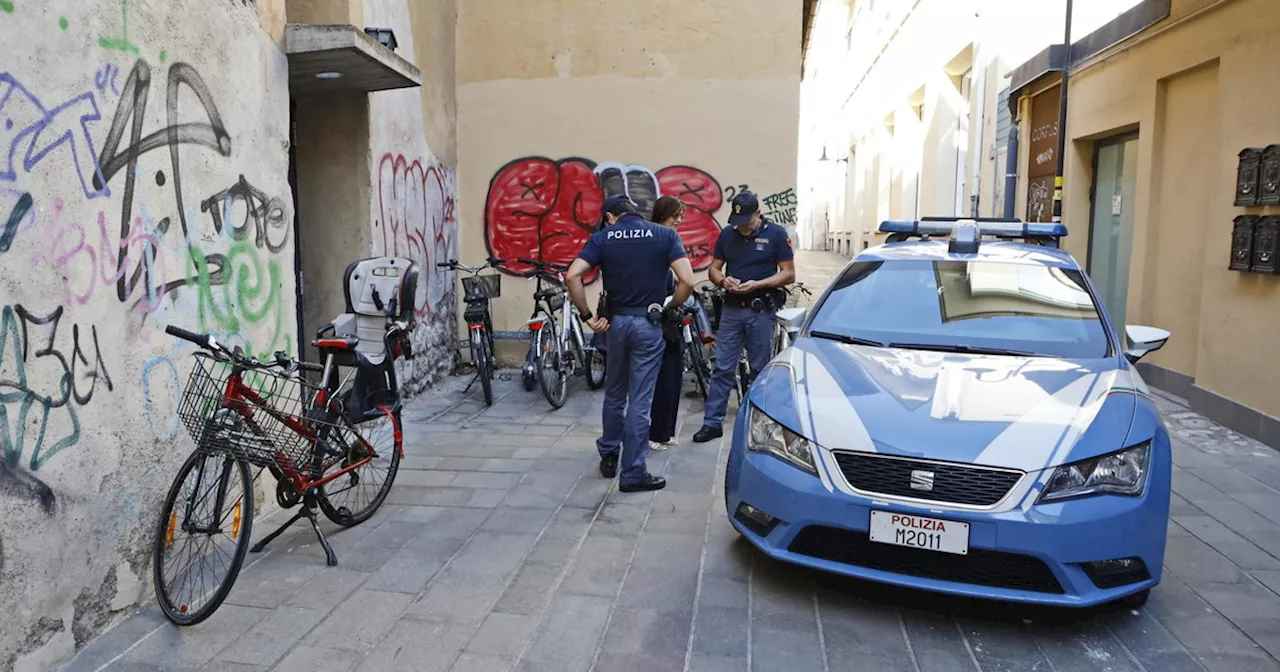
column 932, row 534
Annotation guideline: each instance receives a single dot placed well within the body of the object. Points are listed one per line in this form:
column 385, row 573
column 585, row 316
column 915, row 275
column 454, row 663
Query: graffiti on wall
column 418, row 221
column 780, row 207
column 540, row 208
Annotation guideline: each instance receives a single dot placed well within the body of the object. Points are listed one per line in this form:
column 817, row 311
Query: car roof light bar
column 1044, row 233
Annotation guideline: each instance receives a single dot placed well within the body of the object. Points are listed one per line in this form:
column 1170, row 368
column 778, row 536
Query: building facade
column 587, row 99
column 951, row 108
column 211, row 165
column 217, row 166
column 1169, row 193
column 906, row 102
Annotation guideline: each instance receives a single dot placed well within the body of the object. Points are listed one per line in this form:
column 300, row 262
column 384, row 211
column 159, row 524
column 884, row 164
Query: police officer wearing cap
column 751, row 262
column 633, row 255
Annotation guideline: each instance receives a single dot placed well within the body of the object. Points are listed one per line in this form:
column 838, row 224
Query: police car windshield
column 966, row 305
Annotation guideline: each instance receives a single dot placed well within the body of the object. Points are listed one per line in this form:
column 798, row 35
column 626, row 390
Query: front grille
column 980, row 567
column 952, row 483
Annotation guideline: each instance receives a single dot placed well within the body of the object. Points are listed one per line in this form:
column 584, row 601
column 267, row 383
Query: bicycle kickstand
column 307, row 510
column 473, row 382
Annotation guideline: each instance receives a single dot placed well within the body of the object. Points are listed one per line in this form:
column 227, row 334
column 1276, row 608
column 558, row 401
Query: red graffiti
column 417, row 221
column 544, row 209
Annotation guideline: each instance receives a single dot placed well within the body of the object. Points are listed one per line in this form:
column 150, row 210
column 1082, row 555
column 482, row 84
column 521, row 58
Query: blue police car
column 959, row 415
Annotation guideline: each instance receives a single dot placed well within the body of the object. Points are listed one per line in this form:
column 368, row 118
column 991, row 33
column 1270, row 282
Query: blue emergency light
column 965, row 233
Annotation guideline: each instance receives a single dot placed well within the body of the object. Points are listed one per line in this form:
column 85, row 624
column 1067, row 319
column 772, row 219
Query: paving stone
column 712, row 663
column 416, row 496
column 1193, row 622
column 424, row 478
column 1195, row 561
column 508, row 465
column 327, row 589
column 531, row 590
column 462, row 463
column 853, row 628
column 1236, row 548
column 659, row 549
column 720, row 631
column 474, row 662
column 269, row 584
column 486, row 499
column 936, row 642
column 318, row 659
column 524, row 521
column 486, row 479
column 1230, row 481
column 419, row 646
column 779, row 643
column 360, row 621
column 502, row 634
column 494, row 552
column 1086, row 646
column 671, row 588
column 458, row 595
column 273, row 636
column 568, row 634
column 171, row 647
column 1003, row 647
column 456, row 523
column 405, row 572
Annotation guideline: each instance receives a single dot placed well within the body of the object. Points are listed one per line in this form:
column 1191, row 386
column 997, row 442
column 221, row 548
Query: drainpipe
column 1011, row 172
column 1062, row 121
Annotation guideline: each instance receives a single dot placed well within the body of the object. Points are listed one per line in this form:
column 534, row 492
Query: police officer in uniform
column 759, row 261
column 633, row 255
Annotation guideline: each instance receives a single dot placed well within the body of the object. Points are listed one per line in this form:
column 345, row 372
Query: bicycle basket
column 490, row 285
column 555, row 301
column 259, row 429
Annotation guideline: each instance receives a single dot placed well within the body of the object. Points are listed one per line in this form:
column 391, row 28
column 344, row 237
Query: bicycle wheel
column 483, row 360
column 742, row 380
column 203, row 532
column 698, row 362
column 595, row 363
column 555, row 385
column 353, row 497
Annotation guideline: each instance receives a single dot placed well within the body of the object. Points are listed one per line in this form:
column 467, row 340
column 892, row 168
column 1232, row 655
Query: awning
column 328, row 59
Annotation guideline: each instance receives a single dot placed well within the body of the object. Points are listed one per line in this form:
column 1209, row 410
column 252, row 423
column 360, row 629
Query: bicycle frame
column 242, row 399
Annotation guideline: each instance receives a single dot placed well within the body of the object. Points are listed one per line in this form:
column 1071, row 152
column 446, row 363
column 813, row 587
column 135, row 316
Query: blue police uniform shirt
column 753, row 257
column 634, row 256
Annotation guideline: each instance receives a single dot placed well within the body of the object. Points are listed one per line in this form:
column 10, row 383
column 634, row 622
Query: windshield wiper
column 966, row 349
column 845, row 338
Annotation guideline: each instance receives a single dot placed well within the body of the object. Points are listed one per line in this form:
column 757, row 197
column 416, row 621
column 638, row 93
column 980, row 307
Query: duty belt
column 763, row 302
column 635, row 311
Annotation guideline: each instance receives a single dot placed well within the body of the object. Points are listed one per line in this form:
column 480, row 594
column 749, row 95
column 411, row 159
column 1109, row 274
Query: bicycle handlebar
column 201, row 340
column 208, row 342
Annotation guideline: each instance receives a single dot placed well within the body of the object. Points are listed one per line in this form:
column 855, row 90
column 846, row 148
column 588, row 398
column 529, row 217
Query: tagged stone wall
column 143, row 182
column 414, row 202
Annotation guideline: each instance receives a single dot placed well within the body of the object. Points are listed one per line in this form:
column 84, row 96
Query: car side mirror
column 791, row 320
column 1141, row 341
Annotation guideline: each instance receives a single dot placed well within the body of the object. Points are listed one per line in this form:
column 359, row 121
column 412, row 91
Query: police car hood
column 1025, row 413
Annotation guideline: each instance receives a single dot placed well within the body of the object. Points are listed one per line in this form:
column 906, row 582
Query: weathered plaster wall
column 144, row 183
column 688, row 97
column 414, row 194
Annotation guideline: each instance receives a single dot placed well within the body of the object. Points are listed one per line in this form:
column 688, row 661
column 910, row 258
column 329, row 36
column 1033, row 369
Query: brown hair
column 666, row 208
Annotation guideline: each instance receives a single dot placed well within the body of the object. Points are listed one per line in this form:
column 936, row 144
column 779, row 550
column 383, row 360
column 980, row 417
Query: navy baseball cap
column 745, row 204
column 616, row 206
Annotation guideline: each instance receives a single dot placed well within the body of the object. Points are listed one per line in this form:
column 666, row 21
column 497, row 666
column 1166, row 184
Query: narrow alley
column 501, row 548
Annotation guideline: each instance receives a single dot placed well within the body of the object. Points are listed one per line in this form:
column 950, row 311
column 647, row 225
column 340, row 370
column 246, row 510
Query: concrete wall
column 414, row 191
column 1197, row 91
column 123, row 213
column 690, row 97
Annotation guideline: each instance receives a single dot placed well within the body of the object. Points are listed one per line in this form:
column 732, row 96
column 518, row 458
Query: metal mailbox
column 1269, row 176
column 1266, row 245
column 1247, row 176
column 1242, row 243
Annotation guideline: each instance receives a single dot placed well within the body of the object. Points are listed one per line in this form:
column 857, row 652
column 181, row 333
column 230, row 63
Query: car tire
column 727, row 512
column 1137, row 600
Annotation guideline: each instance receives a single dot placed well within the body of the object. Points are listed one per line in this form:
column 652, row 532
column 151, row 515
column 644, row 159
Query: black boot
column 609, row 466
column 707, row 433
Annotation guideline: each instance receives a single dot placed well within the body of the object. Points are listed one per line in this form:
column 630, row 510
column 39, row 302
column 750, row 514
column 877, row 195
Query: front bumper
column 1020, row 552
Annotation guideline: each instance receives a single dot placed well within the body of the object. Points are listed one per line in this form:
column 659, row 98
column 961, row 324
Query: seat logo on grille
column 922, row 480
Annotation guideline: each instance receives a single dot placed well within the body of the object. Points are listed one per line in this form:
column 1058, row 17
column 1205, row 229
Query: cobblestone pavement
column 501, row 548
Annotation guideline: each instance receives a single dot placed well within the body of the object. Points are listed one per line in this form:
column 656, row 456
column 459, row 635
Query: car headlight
column 1121, row 473
column 767, row 436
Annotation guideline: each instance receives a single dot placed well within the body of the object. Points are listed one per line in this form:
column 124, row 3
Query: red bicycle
column 332, row 447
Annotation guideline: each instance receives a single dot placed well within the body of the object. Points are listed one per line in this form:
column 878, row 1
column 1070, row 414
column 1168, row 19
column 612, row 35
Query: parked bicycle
column 558, row 349
column 695, row 335
column 797, row 296
column 478, row 291
column 331, row 447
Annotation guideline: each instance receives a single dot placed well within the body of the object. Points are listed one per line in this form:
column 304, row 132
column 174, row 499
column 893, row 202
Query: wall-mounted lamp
column 824, row 155
column 384, row 36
